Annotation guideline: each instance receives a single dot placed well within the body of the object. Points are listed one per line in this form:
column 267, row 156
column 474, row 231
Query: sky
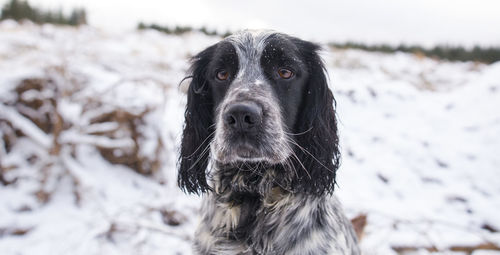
column 424, row 22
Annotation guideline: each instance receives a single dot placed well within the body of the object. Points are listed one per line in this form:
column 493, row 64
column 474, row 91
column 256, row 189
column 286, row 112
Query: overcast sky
column 424, row 22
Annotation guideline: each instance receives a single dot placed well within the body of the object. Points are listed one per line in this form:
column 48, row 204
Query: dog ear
column 198, row 126
column 319, row 154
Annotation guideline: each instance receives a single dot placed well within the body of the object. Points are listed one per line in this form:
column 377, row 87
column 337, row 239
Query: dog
column 260, row 142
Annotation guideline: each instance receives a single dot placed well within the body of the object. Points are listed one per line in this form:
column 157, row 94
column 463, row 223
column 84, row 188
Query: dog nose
column 243, row 116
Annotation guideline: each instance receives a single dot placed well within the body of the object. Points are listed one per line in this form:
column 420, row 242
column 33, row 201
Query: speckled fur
column 274, row 222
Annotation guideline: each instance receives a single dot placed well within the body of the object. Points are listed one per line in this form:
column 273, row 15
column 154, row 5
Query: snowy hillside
column 90, row 123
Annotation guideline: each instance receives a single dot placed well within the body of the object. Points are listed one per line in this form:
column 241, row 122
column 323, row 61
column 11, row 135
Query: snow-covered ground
column 420, row 141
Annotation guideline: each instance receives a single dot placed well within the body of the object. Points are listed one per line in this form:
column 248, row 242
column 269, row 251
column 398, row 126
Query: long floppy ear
column 198, row 127
column 320, row 154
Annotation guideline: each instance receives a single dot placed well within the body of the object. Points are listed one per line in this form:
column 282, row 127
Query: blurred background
column 91, row 113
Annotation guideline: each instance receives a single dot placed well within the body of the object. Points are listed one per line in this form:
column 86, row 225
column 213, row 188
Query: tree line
column 21, row 10
column 447, row 52
column 178, row 30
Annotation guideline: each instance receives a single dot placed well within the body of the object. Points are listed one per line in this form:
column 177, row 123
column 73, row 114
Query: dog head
column 260, row 97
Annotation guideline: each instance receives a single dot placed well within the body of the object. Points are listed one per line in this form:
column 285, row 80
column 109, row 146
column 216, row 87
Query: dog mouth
column 248, row 152
column 244, row 150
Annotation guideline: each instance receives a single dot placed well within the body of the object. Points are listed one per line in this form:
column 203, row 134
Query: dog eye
column 285, row 73
column 222, row 75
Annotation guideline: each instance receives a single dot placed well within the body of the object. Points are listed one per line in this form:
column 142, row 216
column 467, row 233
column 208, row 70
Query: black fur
column 317, row 122
column 198, row 126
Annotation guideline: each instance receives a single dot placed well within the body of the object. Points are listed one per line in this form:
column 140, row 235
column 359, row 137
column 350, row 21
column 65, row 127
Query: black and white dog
column 260, row 138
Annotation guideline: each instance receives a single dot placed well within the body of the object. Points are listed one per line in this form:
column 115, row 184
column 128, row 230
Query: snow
column 420, row 142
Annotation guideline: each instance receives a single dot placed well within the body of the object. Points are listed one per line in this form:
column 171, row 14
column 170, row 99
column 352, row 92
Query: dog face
column 258, row 82
column 260, row 97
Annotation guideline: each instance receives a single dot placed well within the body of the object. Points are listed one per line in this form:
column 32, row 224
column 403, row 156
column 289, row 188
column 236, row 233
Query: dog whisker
column 205, row 150
column 301, row 133
column 310, row 154
column 202, row 143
